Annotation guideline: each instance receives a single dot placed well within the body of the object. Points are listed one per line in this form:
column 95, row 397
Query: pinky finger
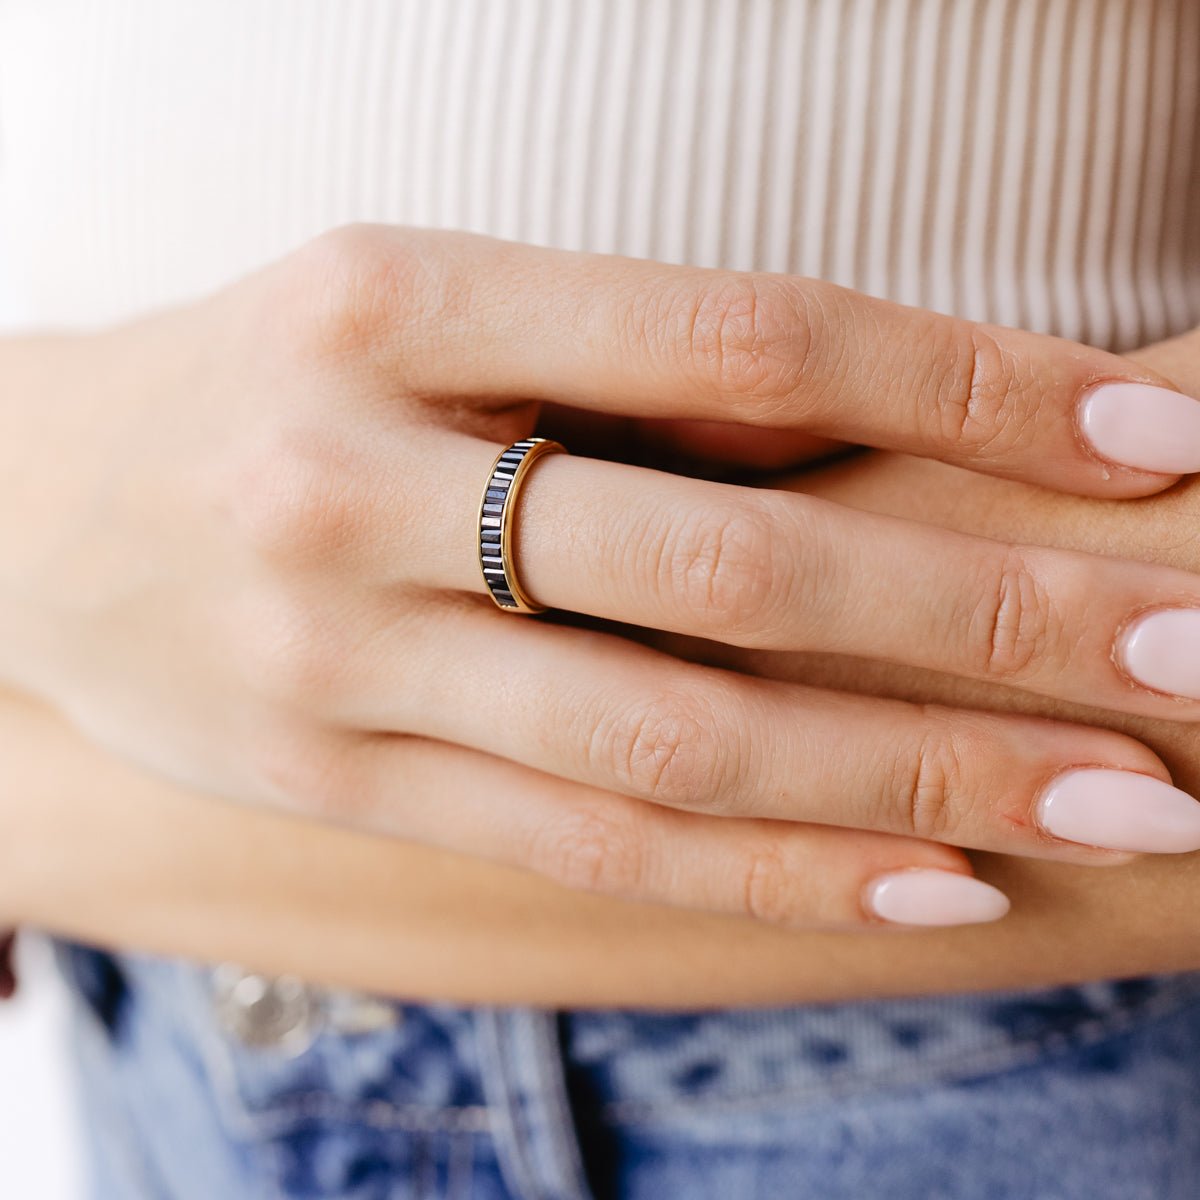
column 806, row 876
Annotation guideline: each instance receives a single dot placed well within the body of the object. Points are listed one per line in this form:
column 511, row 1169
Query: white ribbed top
column 1034, row 162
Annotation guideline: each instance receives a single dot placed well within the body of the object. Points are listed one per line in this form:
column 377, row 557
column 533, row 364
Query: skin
column 238, row 550
column 103, row 851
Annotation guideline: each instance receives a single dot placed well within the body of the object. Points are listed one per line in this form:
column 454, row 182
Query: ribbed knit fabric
column 1035, row 162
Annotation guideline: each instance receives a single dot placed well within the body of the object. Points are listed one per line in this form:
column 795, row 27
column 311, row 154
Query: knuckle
column 747, row 336
column 929, row 790
column 990, row 413
column 1013, row 620
column 668, row 751
column 295, row 499
column 721, row 569
column 360, row 286
column 338, row 279
column 591, row 852
column 770, row 891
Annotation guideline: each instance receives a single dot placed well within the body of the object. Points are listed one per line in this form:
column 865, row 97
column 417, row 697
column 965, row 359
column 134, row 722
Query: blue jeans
column 203, row 1085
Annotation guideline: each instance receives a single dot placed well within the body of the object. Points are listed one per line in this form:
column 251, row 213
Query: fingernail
column 924, row 896
column 1162, row 651
column 1120, row 810
column 1137, row 425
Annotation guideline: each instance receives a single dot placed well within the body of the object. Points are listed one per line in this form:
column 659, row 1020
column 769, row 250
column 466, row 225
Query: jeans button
column 266, row 1012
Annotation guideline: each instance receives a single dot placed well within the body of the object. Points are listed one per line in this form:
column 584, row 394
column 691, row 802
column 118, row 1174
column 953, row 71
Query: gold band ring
column 496, row 511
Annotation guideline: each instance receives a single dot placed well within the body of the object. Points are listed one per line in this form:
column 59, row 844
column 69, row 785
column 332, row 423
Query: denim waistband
column 528, row 1081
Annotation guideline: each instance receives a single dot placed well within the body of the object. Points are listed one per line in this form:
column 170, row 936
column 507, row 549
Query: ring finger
column 784, row 571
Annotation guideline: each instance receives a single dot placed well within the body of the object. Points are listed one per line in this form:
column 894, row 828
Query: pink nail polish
column 1162, row 651
column 1120, row 810
column 925, row 896
column 1141, row 426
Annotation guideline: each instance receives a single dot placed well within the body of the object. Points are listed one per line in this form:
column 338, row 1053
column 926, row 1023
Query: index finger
column 494, row 319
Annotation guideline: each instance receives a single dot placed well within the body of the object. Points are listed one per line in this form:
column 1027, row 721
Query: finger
column 603, row 711
column 462, row 315
column 588, row 840
column 785, row 571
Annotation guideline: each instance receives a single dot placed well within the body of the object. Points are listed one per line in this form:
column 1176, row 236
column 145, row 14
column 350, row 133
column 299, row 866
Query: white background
column 38, row 1140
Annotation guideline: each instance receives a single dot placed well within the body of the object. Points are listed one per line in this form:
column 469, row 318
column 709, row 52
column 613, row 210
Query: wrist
column 45, row 427
column 69, row 403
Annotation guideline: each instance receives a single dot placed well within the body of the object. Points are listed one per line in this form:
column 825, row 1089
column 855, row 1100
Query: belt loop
column 526, row 1091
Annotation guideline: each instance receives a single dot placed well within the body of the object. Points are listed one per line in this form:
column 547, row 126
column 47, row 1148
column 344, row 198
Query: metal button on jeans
column 266, row 1012
column 285, row 1014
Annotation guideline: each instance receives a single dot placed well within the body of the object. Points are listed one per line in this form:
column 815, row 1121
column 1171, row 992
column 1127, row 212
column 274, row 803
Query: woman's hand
column 241, row 550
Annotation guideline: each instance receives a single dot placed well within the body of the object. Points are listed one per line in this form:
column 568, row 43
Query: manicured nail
column 924, row 896
column 1137, row 425
column 1162, row 651
column 1120, row 810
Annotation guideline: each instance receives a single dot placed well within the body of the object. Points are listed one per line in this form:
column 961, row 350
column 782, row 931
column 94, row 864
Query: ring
column 496, row 511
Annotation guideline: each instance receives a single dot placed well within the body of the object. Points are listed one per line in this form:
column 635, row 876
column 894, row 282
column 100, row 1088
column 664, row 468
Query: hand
column 1163, row 529
column 256, row 575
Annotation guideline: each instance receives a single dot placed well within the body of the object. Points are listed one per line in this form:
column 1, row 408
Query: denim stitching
column 1118, row 1023
column 219, row 1054
column 376, row 1114
column 385, row 1115
column 476, row 1119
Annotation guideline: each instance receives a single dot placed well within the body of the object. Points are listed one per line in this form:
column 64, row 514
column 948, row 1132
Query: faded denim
column 1069, row 1094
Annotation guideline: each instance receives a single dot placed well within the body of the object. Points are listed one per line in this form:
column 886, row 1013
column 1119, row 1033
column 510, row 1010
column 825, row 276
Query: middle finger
column 603, row 711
